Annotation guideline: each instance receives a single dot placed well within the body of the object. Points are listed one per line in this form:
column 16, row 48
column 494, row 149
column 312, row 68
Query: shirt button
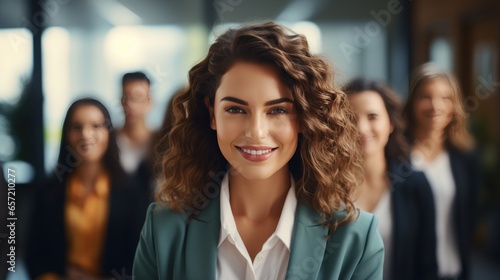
column 259, row 258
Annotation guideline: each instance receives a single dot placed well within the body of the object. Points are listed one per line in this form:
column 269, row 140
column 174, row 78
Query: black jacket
column 47, row 239
column 466, row 170
column 413, row 225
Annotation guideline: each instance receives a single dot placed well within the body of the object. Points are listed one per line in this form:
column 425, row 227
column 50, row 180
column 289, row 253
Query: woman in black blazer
column 400, row 196
column 443, row 150
column 88, row 171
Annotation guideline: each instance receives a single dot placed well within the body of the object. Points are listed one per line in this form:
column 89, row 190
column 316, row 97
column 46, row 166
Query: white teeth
column 256, row 152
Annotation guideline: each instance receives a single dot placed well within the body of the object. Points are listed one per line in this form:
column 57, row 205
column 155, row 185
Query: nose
column 436, row 103
column 87, row 133
column 257, row 127
column 363, row 126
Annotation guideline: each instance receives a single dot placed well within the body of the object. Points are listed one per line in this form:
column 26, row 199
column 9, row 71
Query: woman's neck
column 375, row 170
column 137, row 132
column 429, row 143
column 257, row 200
column 88, row 173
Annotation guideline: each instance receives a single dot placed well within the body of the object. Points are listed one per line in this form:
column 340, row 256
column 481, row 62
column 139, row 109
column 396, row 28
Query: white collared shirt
column 130, row 155
column 440, row 177
column 384, row 214
column 233, row 260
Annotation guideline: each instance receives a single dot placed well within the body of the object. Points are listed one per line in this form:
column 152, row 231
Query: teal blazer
column 172, row 246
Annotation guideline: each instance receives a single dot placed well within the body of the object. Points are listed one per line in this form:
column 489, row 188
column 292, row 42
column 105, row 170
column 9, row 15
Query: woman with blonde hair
column 443, row 149
column 259, row 169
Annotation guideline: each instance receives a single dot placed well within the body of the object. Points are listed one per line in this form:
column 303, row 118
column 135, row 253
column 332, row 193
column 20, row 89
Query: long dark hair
column 68, row 160
column 397, row 148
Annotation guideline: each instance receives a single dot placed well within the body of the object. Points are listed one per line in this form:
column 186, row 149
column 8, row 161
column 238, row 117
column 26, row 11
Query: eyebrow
column 268, row 103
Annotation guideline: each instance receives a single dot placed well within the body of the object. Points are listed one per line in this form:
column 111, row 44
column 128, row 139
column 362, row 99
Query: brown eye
column 76, row 127
column 235, row 110
column 372, row 116
column 278, row 111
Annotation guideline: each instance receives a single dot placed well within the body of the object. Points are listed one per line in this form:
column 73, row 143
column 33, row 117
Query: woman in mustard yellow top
column 87, row 219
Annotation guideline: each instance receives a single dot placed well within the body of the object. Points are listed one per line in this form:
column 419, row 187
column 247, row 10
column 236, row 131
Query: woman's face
column 374, row 124
column 87, row 133
column 255, row 120
column 433, row 106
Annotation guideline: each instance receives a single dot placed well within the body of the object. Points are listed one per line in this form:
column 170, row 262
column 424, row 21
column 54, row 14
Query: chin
column 436, row 126
column 253, row 173
column 90, row 159
column 369, row 150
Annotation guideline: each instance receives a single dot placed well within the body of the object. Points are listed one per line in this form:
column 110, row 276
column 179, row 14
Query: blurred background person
column 159, row 147
column 168, row 118
column 87, row 219
column 134, row 137
column 53, row 52
column 400, row 197
column 151, row 168
column 443, row 149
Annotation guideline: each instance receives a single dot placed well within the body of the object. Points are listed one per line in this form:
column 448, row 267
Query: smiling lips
column 433, row 114
column 366, row 139
column 256, row 154
column 86, row 146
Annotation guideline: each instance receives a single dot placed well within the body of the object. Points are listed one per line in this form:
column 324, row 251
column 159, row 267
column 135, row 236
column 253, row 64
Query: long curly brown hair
column 327, row 163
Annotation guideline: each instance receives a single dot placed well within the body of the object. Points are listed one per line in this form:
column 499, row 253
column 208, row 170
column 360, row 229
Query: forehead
column 367, row 100
column 87, row 113
column 133, row 86
column 435, row 85
column 251, row 81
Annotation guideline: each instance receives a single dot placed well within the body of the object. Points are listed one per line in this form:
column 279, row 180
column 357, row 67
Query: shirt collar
column 228, row 225
column 285, row 225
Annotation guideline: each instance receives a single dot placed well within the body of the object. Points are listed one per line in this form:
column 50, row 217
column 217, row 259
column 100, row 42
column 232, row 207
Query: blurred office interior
column 55, row 51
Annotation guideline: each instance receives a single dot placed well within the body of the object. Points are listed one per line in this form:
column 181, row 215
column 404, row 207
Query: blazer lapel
column 457, row 172
column 201, row 242
column 460, row 200
column 398, row 214
column 308, row 244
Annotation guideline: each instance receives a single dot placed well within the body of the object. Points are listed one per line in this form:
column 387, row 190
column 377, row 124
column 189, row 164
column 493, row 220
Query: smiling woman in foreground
column 262, row 160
